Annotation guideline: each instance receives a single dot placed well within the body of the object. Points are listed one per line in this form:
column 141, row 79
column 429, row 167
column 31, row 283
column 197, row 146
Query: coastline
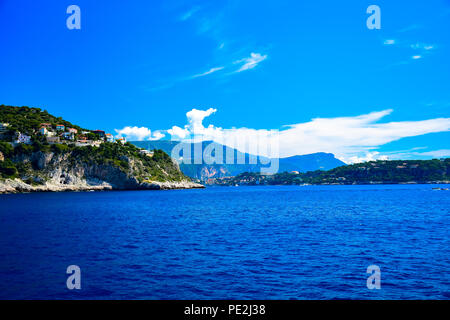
column 11, row 186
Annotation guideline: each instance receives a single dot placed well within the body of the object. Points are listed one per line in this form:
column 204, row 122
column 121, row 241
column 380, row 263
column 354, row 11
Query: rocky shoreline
column 18, row 186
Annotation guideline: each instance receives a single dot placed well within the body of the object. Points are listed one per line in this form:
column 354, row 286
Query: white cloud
column 212, row 70
column 194, row 127
column 187, row 15
column 369, row 156
column 157, row 135
column 413, row 154
column 250, row 62
column 442, row 153
column 422, row 46
column 178, row 133
column 416, row 57
column 138, row 133
column 389, row 42
column 351, row 139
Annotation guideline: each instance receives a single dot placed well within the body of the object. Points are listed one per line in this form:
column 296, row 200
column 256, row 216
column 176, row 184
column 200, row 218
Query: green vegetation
column 374, row 172
column 6, row 149
column 8, row 169
column 396, row 171
column 28, row 120
column 118, row 155
column 128, row 158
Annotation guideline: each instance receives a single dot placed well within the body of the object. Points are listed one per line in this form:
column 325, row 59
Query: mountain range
column 202, row 168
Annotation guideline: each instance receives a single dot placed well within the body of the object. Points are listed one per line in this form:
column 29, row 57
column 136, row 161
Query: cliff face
column 48, row 171
column 76, row 159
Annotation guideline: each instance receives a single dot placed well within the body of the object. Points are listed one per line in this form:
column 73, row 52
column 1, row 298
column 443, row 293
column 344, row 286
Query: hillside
column 374, row 172
column 28, row 120
column 39, row 165
column 204, row 171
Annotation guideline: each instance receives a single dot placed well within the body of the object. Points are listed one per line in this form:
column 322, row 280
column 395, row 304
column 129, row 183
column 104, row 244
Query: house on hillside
column 109, row 137
column 68, row 135
column 53, row 140
column 121, row 140
column 146, row 152
column 22, row 138
column 46, row 125
column 4, row 127
column 60, row 127
column 43, row 131
column 101, row 133
column 72, row 130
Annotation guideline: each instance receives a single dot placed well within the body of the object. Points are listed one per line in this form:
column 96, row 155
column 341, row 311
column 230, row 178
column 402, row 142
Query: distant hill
column 198, row 169
column 310, row 162
column 374, row 172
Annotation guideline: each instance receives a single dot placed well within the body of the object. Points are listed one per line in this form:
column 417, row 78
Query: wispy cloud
column 212, row 70
column 418, row 50
column 389, row 42
column 413, row 154
column 250, row 62
column 410, row 28
column 422, row 46
column 187, row 15
column 247, row 63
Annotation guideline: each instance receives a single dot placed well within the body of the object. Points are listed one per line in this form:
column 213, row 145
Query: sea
column 260, row 242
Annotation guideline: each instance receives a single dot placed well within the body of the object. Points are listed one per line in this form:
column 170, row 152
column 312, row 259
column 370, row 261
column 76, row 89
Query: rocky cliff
column 78, row 170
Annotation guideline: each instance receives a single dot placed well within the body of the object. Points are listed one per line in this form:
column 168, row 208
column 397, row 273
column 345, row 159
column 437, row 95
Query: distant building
column 43, row 131
column 85, row 143
column 53, row 139
column 68, row 135
column 4, row 127
column 121, row 140
column 101, row 133
column 60, row 127
column 109, row 137
column 72, row 130
column 46, row 125
column 22, row 138
column 295, row 172
column 146, row 152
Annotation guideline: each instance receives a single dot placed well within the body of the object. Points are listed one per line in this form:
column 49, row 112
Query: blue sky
column 139, row 67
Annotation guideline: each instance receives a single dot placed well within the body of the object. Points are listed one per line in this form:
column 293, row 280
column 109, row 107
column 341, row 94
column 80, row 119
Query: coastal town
column 60, row 134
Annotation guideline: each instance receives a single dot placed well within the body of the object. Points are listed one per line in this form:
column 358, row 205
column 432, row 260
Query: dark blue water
column 294, row 242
